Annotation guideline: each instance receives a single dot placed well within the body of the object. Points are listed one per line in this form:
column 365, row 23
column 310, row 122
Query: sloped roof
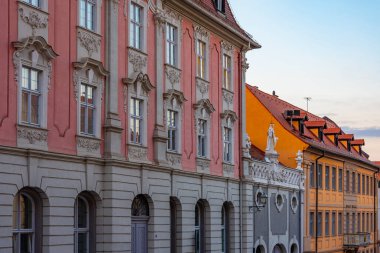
column 227, row 17
column 277, row 106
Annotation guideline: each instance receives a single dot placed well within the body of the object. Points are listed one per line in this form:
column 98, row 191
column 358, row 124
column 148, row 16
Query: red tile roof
column 357, row 142
column 315, row 123
column 332, row 130
column 227, row 17
column 345, row 137
column 277, row 106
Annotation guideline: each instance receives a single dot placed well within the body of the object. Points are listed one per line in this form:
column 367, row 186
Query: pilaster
column 160, row 135
column 112, row 124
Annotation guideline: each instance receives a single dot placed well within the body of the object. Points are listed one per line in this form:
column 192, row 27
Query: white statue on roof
column 271, row 154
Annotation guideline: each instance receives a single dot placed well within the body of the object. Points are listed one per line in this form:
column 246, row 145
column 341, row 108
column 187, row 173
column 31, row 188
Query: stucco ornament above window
column 34, row 20
column 39, row 47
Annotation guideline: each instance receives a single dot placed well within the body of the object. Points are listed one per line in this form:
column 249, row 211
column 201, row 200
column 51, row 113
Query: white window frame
column 172, row 128
column 136, row 118
column 228, row 120
column 87, row 106
column 202, row 138
column 227, row 144
column 84, row 20
column 174, row 19
column 143, row 25
column 201, row 58
column 228, row 49
column 85, row 230
column 96, row 15
column 30, row 92
column 35, row 3
column 227, row 71
column 90, row 75
column 173, row 101
column 18, row 231
column 201, row 35
column 171, row 39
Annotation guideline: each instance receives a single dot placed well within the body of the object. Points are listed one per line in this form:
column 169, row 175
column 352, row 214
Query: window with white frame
column 33, row 2
column 171, row 44
column 227, row 72
column 24, row 223
column 227, row 144
column 202, row 138
column 171, row 118
column 201, row 59
column 87, row 109
column 136, row 26
column 31, row 94
column 136, row 120
column 87, row 9
column 82, row 225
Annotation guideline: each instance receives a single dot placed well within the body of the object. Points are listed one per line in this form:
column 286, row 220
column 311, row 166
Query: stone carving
column 32, row 134
column 34, row 20
column 76, row 84
column 125, row 94
column 276, row 174
column 203, row 165
column 39, row 46
column 228, row 169
column 172, row 15
column 89, row 144
column 89, row 41
column 228, row 96
column 201, row 32
column 245, row 64
column 137, row 153
column 140, row 84
column 279, row 201
column 271, row 154
column 202, row 86
column 137, row 60
column 299, row 159
column 247, row 141
column 160, row 19
column 226, row 46
column 173, row 159
column 174, row 75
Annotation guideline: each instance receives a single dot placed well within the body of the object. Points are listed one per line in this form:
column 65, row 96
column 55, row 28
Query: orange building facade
column 340, row 200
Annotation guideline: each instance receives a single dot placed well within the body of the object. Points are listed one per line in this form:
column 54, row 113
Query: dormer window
column 220, row 5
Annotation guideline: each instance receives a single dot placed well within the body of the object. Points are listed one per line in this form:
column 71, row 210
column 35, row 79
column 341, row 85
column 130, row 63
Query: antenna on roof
column 307, row 103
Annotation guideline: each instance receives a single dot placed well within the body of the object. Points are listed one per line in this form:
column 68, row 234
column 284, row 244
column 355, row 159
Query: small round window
column 279, row 202
column 294, row 203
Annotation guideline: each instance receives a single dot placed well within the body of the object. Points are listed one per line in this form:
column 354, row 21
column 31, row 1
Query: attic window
column 220, row 5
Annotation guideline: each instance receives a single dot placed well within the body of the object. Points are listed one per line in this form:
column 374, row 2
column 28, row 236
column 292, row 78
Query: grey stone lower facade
column 57, row 181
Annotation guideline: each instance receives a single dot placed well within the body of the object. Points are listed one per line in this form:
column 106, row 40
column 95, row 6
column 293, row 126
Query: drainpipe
column 316, row 202
column 241, row 89
column 374, row 186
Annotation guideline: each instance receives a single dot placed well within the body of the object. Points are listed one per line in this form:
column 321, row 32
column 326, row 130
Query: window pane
column 90, row 95
column 34, row 109
column 83, row 93
column 137, row 131
column 82, row 7
column 26, row 243
column 25, row 103
column 82, row 213
column 90, row 121
column 82, row 243
column 82, row 119
column 90, row 11
column 132, row 129
column 26, row 212
column 25, row 78
column 34, row 80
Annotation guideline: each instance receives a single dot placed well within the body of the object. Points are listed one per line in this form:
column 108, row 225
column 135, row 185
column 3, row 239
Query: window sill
column 174, row 159
column 202, row 79
column 141, row 51
column 32, row 136
column 37, row 8
column 89, row 30
column 88, row 145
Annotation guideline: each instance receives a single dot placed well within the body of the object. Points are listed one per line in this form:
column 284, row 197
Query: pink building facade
column 128, row 113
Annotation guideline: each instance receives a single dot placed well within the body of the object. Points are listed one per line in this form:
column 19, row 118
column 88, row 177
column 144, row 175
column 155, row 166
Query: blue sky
column 328, row 50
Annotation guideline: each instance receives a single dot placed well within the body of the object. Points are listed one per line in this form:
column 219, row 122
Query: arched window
column 260, row 249
column 175, row 224
column 25, row 224
column 294, row 248
column 199, row 227
column 84, row 222
column 140, row 217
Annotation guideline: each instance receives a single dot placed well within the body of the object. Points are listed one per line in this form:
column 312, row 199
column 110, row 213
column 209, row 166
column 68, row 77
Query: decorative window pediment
column 140, row 84
column 205, row 104
column 91, row 63
column 31, row 49
column 175, row 98
column 229, row 116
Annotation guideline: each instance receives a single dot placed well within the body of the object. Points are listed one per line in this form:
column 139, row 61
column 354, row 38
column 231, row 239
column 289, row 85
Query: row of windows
column 28, row 213
column 30, row 115
column 355, row 182
column 333, row 223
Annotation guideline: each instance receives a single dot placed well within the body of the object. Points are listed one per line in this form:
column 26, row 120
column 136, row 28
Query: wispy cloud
column 363, row 132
